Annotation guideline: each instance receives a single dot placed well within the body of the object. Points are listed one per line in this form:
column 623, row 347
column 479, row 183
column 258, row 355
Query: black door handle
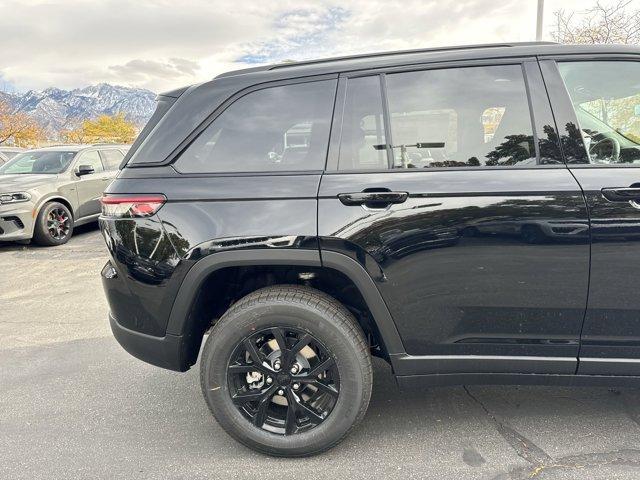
column 623, row 194
column 373, row 199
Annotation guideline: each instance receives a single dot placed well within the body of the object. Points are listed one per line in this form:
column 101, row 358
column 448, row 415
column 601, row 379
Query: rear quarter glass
column 261, row 132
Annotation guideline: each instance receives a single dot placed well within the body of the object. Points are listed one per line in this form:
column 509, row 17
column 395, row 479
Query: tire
column 301, row 311
column 41, row 233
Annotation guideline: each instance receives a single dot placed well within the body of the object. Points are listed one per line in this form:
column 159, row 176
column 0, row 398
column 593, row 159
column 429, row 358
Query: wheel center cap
column 283, row 379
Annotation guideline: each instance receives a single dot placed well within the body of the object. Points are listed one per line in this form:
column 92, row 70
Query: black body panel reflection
column 149, row 272
column 479, row 263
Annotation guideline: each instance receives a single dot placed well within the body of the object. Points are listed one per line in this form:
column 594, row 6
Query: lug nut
column 277, row 364
column 281, row 392
column 294, row 369
column 296, row 386
column 269, row 380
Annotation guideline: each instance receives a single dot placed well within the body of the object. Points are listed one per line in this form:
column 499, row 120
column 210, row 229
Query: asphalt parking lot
column 73, row 404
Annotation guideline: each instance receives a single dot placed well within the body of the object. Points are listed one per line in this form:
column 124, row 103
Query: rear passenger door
column 450, row 191
column 599, row 105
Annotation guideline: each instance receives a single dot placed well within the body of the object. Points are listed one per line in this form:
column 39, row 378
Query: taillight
column 131, row 206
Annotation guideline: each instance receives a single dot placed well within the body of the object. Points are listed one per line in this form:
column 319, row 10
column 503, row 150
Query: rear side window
column 456, row 117
column 284, row 128
column 111, row 159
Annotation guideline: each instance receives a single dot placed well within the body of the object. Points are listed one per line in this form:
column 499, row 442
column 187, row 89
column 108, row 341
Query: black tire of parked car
column 305, row 310
column 42, row 235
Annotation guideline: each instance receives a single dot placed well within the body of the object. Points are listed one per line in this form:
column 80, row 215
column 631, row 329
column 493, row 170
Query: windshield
column 51, row 162
column 9, row 153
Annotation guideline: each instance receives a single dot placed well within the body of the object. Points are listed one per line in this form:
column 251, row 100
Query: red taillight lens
column 131, row 206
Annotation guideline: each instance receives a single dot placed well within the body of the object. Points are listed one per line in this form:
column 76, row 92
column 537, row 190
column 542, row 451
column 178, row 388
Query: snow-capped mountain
column 58, row 109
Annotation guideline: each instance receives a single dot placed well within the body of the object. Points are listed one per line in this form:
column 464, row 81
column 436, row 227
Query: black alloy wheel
column 283, row 380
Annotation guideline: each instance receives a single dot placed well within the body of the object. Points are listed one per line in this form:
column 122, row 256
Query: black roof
column 426, row 55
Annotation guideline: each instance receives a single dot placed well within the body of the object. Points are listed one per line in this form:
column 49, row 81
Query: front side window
column 50, row 162
column 92, row 159
column 606, row 98
column 284, row 128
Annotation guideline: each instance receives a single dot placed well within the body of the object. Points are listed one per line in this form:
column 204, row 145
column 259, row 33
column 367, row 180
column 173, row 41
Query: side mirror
column 84, row 170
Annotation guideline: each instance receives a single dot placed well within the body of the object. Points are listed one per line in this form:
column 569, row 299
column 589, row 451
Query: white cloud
column 162, row 44
column 149, row 71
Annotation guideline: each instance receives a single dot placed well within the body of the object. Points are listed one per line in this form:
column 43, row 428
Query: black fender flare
column 197, row 274
column 377, row 306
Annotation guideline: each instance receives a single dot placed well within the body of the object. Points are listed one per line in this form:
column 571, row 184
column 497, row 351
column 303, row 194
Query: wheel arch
column 55, row 198
column 183, row 316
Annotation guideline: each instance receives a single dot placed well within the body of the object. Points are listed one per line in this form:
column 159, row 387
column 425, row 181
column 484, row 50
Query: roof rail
column 242, row 71
column 406, row 52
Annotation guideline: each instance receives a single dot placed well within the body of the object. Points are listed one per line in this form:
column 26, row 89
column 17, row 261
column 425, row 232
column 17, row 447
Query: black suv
column 470, row 215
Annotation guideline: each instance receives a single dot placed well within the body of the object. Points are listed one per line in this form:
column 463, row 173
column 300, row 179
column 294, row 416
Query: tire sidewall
column 237, row 326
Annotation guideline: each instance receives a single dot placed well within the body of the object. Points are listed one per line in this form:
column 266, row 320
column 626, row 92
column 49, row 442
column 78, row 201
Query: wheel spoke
column 323, row 387
column 280, row 339
column 322, row 367
column 290, row 423
column 278, row 335
column 251, row 396
column 254, row 395
column 246, row 368
column 313, row 416
column 253, row 352
column 263, row 405
column 302, row 342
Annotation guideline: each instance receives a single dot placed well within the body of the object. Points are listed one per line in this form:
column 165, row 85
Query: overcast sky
column 162, row 44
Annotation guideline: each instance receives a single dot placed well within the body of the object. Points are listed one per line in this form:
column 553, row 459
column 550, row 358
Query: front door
column 603, row 101
column 91, row 186
column 451, row 192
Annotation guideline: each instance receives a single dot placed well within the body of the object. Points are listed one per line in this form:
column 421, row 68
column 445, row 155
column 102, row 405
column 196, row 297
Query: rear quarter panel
column 202, row 216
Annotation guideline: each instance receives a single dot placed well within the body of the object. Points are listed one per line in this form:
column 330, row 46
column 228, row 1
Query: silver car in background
column 44, row 193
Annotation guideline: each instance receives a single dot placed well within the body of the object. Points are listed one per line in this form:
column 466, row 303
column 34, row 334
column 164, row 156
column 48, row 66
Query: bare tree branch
column 603, row 23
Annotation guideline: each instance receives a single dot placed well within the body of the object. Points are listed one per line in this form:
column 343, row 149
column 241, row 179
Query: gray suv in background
column 44, row 193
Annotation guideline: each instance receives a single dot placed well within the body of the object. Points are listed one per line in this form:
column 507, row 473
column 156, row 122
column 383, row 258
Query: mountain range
column 56, row 109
